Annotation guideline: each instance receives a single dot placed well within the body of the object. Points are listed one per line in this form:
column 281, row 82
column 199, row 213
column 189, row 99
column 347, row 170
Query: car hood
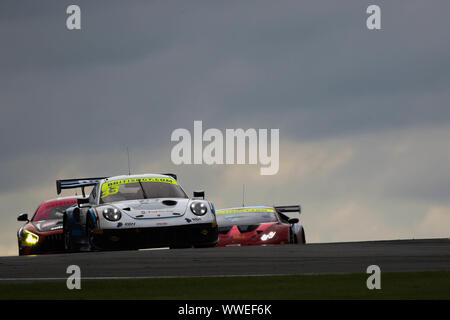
column 48, row 225
column 245, row 230
column 238, row 235
column 153, row 208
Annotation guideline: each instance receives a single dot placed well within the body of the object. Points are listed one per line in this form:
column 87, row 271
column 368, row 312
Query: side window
column 93, row 195
column 35, row 211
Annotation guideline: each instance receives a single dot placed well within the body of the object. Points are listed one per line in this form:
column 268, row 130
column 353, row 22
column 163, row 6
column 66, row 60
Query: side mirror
column 293, row 220
column 199, row 194
column 23, row 217
column 83, row 203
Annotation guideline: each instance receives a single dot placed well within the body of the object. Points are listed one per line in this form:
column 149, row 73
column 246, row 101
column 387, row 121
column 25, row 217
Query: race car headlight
column 199, row 208
column 31, row 238
column 268, row 236
column 112, row 214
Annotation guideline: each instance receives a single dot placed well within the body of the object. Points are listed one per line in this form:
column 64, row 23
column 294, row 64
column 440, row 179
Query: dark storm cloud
column 38, row 40
column 137, row 70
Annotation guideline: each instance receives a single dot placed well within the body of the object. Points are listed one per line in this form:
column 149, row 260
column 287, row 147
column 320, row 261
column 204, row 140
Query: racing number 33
column 109, row 190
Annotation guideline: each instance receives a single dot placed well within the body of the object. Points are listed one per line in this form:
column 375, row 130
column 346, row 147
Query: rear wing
column 285, row 209
column 77, row 183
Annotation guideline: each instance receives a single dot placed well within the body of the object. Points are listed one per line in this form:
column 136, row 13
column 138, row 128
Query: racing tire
column 303, row 241
column 20, row 249
column 292, row 236
column 90, row 235
column 68, row 244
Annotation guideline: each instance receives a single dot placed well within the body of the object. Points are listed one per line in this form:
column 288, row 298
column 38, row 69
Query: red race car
column 258, row 226
column 44, row 232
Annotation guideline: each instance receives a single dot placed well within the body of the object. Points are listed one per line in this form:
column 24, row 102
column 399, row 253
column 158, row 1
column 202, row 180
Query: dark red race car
column 44, row 232
column 248, row 226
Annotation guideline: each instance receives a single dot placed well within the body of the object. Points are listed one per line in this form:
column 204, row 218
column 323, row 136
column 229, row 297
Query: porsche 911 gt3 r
column 247, row 226
column 44, row 232
column 138, row 211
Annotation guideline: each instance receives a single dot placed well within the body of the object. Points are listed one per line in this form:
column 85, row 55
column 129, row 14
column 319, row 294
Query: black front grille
column 53, row 242
column 160, row 236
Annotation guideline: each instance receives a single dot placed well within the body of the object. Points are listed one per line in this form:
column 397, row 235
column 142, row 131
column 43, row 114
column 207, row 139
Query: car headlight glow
column 112, row 214
column 199, row 208
column 31, row 238
column 268, row 236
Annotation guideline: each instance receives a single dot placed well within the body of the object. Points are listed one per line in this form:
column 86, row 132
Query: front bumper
column 254, row 240
column 48, row 243
column 173, row 236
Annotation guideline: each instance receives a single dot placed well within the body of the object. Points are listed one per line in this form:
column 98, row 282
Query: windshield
column 53, row 209
column 141, row 188
column 252, row 216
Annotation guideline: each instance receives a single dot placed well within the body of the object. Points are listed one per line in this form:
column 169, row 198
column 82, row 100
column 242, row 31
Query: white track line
column 154, row 249
column 152, row 277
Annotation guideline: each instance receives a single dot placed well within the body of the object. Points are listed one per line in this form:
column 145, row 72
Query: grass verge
column 404, row 285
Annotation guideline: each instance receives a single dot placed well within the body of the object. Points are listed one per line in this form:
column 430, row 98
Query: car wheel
column 20, row 249
column 303, row 237
column 68, row 246
column 90, row 235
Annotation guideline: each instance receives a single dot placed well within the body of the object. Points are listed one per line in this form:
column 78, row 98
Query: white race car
column 137, row 211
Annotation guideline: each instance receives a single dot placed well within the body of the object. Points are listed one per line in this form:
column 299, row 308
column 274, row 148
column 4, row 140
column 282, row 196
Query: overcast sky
column 364, row 116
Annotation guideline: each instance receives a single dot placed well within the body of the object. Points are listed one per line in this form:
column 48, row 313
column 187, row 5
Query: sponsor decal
column 161, row 224
column 47, row 209
column 130, row 224
column 264, row 210
column 119, row 224
column 112, row 187
column 188, row 220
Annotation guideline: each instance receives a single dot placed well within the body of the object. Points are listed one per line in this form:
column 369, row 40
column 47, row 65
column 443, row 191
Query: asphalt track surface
column 350, row 257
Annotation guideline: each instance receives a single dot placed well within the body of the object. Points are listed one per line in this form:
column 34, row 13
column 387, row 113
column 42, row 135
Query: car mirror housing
column 84, row 203
column 199, row 194
column 81, row 201
column 23, row 217
column 293, row 220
